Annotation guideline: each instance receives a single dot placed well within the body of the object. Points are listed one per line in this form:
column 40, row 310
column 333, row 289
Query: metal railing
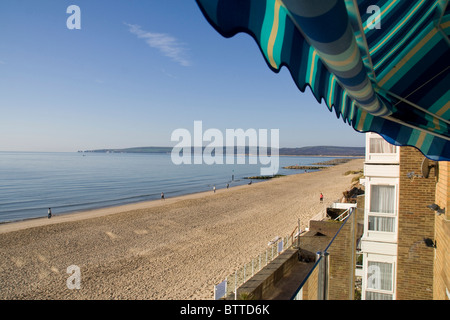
column 228, row 287
column 318, row 278
column 344, row 215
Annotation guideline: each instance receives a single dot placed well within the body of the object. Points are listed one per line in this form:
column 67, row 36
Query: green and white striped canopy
column 382, row 65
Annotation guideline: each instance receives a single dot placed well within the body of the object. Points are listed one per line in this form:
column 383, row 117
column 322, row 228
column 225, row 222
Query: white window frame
column 386, row 236
column 374, row 157
column 380, row 259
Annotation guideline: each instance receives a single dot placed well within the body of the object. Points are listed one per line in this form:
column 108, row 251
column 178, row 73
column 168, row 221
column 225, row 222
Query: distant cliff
column 134, row 150
column 303, row 151
column 324, row 151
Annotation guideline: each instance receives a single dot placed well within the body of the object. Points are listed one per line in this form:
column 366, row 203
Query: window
column 377, row 296
column 379, row 276
column 379, row 145
column 380, row 280
column 382, row 208
column 379, row 150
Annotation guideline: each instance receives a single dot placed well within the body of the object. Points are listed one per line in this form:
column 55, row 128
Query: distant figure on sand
column 250, row 182
column 321, row 197
column 49, row 213
column 228, row 185
column 162, row 195
column 214, row 189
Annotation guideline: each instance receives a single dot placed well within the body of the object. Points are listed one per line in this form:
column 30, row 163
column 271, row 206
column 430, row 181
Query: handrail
column 300, row 287
column 337, row 218
column 293, row 232
column 351, row 211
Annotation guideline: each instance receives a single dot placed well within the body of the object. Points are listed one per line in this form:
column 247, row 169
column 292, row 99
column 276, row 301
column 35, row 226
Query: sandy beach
column 176, row 248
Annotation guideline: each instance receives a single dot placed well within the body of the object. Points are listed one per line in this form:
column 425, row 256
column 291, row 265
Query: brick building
column 405, row 237
column 441, row 279
column 415, row 225
column 405, row 243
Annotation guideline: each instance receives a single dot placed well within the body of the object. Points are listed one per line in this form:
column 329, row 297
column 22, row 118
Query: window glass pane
column 379, row 275
column 377, row 296
column 379, row 145
column 384, row 224
column 382, row 199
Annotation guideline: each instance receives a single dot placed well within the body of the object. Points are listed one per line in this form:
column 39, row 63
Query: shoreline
column 126, row 203
column 106, row 210
column 177, row 248
column 10, row 226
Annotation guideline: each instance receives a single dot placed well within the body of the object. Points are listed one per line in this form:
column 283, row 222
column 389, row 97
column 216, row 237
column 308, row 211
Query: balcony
column 320, row 265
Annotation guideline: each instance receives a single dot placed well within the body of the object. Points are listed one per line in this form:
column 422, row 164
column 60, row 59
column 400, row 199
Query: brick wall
column 342, row 262
column 310, row 287
column 442, row 229
column 342, row 259
column 415, row 223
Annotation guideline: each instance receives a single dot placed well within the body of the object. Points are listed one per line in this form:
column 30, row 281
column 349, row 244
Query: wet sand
column 176, row 248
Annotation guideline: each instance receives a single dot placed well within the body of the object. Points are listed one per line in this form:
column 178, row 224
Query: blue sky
column 136, row 71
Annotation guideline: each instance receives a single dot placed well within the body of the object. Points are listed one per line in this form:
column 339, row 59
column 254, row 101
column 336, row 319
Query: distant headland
column 332, row 151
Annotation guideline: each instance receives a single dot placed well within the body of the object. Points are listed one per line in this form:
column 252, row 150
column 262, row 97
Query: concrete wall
column 262, row 284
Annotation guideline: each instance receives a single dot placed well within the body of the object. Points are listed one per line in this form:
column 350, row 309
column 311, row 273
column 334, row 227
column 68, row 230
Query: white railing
column 228, row 287
column 322, row 264
column 343, row 215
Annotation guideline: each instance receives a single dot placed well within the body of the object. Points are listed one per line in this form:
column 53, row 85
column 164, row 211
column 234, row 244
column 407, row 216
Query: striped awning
column 382, row 65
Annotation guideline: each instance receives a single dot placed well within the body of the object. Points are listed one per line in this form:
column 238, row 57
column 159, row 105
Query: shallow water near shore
column 174, row 249
column 31, row 182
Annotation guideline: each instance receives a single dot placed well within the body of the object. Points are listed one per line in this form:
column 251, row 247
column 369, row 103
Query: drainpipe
column 323, row 277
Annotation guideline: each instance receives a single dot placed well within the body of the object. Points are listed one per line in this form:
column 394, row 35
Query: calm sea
column 32, row 182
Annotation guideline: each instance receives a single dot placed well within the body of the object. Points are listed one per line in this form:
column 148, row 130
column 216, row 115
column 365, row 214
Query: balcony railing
column 337, row 259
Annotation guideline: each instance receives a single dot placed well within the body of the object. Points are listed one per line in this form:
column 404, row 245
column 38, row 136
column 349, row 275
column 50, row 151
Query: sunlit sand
column 176, row 248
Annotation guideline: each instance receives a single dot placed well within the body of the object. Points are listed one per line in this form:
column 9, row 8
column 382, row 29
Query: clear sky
column 136, row 71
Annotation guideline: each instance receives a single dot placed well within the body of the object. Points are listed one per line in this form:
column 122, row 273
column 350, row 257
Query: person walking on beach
column 162, row 195
column 321, row 197
column 228, row 185
column 214, row 189
column 49, row 213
